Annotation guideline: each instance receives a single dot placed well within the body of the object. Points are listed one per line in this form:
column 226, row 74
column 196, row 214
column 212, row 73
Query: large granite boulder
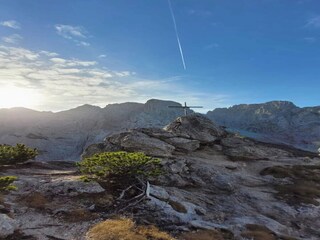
column 196, row 127
column 70, row 186
column 183, row 144
column 185, row 134
column 180, row 143
column 140, row 142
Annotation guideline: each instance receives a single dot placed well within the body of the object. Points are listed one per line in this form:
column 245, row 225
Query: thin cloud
column 313, row 22
column 200, row 13
column 12, row 39
column 73, row 33
column 102, row 56
column 211, row 46
column 61, row 62
column 49, row 54
column 124, row 73
column 82, row 43
column 310, row 39
column 69, row 32
column 10, row 24
column 65, row 83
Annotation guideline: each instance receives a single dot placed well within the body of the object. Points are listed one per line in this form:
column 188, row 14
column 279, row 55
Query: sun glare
column 18, row 97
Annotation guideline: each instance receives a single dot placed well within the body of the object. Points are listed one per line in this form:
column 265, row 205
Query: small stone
column 92, row 207
column 200, row 211
column 230, row 167
column 217, row 147
column 3, row 209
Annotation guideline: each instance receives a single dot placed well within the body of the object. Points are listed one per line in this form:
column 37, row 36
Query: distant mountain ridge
column 64, row 135
column 275, row 121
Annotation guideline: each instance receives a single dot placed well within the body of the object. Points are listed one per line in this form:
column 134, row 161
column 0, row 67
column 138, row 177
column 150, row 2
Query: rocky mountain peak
column 271, row 106
column 281, row 104
column 86, row 107
column 155, row 105
column 276, row 121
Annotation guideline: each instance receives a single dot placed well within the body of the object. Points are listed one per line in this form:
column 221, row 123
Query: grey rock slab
column 70, row 186
column 138, row 141
column 7, row 226
column 184, row 144
column 244, row 149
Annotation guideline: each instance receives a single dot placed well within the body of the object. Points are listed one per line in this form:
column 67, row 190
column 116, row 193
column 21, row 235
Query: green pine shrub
column 6, row 183
column 119, row 166
column 16, row 154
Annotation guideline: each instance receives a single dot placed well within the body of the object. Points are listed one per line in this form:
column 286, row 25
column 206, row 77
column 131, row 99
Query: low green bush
column 122, row 166
column 6, row 183
column 16, row 154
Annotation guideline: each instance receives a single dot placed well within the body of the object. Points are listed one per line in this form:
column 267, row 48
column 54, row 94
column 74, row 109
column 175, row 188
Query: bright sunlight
column 18, row 97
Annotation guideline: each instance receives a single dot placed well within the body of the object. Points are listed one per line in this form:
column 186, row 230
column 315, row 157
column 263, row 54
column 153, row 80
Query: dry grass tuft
column 305, row 172
column 79, row 215
column 207, row 235
column 35, row 200
column 258, row 232
column 19, row 235
column 125, row 229
column 303, row 192
column 1, row 199
column 306, row 183
column 152, row 232
column 102, row 201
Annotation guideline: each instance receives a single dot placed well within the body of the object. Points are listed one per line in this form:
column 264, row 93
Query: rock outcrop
column 213, row 179
column 240, row 148
column 137, row 141
column 185, row 134
column 275, row 122
column 196, row 127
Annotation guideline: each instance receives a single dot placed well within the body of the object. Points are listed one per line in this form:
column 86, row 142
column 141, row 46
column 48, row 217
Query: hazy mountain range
column 276, row 121
column 64, row 135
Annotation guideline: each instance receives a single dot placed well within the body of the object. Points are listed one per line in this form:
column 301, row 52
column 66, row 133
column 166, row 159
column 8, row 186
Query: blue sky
column 100, row 51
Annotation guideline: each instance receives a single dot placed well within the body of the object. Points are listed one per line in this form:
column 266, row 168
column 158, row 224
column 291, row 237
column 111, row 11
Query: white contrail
column 177, row 35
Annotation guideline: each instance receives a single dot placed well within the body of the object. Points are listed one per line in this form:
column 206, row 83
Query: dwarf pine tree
column 16, row 154
column 120, row 165
column 6, row 183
